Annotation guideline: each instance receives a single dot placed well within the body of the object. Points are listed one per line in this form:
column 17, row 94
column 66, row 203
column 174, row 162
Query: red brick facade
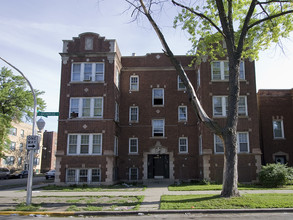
column 276, row 117
column 157, row 134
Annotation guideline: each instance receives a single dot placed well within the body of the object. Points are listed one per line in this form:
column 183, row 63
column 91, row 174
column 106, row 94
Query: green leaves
column 16, row 102
column 270, row 21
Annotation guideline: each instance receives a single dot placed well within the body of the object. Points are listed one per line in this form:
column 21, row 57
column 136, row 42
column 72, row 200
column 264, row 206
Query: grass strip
column 211, row 201
column 210, row 187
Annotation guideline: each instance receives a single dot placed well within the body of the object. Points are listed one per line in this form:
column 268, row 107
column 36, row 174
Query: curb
column 141, row 213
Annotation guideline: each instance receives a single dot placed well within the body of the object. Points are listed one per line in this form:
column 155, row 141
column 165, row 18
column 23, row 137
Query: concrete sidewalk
column 150, row 204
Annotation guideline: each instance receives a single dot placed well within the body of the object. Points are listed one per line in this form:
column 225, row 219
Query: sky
column 32, row 32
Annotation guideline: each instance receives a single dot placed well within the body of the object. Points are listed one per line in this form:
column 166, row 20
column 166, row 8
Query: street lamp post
column 31, row 151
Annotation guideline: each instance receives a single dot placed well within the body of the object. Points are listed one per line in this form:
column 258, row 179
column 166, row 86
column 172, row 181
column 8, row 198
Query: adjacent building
column 16, row 155
column 49, row 151
column 276, row 117
column 128, row 118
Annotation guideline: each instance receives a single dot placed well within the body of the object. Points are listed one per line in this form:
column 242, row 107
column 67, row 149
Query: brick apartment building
column 49, row 151
column 276, row 117
column 128, row 118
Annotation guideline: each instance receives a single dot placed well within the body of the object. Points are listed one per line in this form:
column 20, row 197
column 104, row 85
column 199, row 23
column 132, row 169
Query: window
column 133, row 145
column 96, row 175
column 200, row 144
column 133, row 173
column 71, row 173
column 72, row 145
column 218, row 144
column 242, row 142
column 220, row 106
column 22, row 133
column 134, row 83
column 19, row 161
column 21, row 147
column 117, row 78
column 13, row 131
column 182, row 113
column 83, row 175
column 12, row 146
column 84, row 144
column 180, row 84
column 87, row 72
column 220, row 70
column 242, row 106
column 183, row 145
column 133, row 114
column 116, row 111
column 10, row 160
column 97, row 144
column 86, row 107
column 158, row 97
column 158, row 127
column 278, row 129
column 36, row 161
column 116, row 146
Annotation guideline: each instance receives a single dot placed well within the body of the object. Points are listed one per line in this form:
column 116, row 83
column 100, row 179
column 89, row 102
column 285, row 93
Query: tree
column 16, row 103
column 246, row 27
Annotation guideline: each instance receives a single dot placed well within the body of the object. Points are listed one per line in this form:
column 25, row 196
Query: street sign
column 46, row 114
column 32, row 142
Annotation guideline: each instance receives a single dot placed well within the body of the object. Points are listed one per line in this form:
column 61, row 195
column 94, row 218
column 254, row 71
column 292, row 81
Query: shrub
column 275, row 175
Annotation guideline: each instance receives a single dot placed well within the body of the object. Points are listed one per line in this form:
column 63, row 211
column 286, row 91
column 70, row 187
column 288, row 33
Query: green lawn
column 210, row 201
column 89, row 188
column 207, row 187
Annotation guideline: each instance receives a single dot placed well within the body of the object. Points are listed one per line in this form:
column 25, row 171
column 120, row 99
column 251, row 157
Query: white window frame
column 134, row 85
column 222, row 75
column 131, row 146
column 161, row 128
column 180, row 84
column 239, row 143
column 96, row 74
column 184, row 117
column 90, row 145
column 224, row 106
column 218, row 141
column 180, row 145
column 133, row 114
column 92, row 108
column 281, row 128
column 131, row 169
column 12, row 146
column 159, row 98
column 13, row 131
column 89, row 175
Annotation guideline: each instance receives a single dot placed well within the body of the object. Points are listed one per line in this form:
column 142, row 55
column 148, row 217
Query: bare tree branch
column 181, row 72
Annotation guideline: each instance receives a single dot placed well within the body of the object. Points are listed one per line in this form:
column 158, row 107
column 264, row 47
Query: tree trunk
column 230, row 172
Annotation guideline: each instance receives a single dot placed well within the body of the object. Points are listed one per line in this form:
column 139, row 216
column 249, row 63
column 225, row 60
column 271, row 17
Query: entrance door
column 158, row 166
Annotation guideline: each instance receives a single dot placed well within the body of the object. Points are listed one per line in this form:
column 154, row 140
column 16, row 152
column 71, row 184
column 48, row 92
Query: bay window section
column 86, row 107
column 91, row 72
column 84, row 144
column 220, row 70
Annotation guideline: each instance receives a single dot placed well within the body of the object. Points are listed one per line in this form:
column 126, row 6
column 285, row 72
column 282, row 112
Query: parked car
column 50, row 174
column 4, row 173
column 19, row 174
